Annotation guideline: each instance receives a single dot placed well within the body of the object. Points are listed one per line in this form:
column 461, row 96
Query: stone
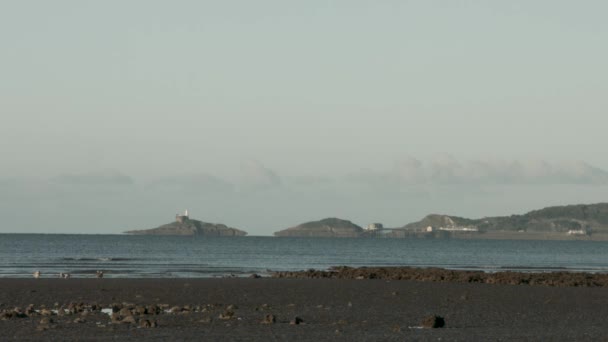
column 125, row 312
column 144, row 323
column 296, row 321
column 141, row 310
column 176, row 309
column 46, row 320
column 79, row 320
column 432, row 322
column 153, row 310
column 269, row 319
column 232, row 307
column 255, row 276
column 46, row 312
column 226, row 315
column 129, row 320
column 206, row 320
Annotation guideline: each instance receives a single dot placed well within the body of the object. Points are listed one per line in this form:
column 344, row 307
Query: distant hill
column 329, row 227
column 190, row 227
column 591, row 217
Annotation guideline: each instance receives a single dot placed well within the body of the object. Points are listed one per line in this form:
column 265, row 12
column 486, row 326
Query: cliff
column 329, row 227
column 190, row 227
column 590, row 217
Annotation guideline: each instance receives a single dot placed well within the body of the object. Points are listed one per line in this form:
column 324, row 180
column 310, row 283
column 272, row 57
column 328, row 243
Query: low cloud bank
column 448, row 170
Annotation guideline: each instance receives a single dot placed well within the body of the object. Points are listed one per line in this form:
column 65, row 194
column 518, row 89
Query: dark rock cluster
column 561, row 279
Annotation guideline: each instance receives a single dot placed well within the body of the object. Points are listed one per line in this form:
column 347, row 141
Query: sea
column 126, row 256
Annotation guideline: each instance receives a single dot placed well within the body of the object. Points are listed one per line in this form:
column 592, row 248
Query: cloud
column 255, row 176
column 95, row 178
column 447, row 170
column 197, row 183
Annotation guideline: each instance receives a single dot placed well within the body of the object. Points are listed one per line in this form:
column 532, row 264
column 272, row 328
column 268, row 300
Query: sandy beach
column 327, row 309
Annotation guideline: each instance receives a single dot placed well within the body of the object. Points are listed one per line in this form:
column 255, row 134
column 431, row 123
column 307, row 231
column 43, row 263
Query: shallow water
column 123, row 256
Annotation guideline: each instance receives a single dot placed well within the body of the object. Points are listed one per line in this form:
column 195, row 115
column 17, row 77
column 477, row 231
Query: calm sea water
column 177, row 256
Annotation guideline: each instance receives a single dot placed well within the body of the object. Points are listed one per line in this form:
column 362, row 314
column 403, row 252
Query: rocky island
column 329, row 227
column 583, row 221
column 184, row 225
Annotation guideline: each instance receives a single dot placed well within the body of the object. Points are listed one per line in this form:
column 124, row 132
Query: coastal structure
column 181, row 218
column 577, row 232
column 374, row 227
column 458, row 229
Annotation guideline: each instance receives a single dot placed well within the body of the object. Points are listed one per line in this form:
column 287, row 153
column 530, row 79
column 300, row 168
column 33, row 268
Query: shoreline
column 399, row 235
column 329, row 309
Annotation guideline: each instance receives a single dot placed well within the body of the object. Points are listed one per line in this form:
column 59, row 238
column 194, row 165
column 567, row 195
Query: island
column 329, row 227
column 184, row 225
column 582, row 222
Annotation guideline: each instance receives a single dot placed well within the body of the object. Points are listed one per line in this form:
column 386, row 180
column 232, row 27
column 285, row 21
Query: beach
column 262, row 309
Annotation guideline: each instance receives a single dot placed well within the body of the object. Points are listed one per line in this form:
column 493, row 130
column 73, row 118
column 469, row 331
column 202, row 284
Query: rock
column 46, row 320
column 226, row 315
column 231, row 307
column 46, row 312
column 296, row 321
column 206, row 320
column 79, row 320
column 144, row 323
column 269, row 319
column 17, row 313
column 140, row 310
column 129, row 320
column 153, row 310
column 115, row 317
column 255, row 276
column 432, row 322
column 124, row 312
column 116, row 307
column 176, row 309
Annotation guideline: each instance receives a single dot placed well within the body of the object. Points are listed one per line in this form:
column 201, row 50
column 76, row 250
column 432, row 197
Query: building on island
column 577, row 232
column 182, row 217
column 374, row 226
column 450, row 228
column 459, row 229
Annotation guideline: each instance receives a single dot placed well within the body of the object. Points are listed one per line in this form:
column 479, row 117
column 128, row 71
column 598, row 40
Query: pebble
column 432, row 322
column 296, row 321
column 129, row 320
column 226, row 315
column 269, row 319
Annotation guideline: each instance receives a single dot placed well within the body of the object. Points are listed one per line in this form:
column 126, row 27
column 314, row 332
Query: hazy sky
column 262, row 114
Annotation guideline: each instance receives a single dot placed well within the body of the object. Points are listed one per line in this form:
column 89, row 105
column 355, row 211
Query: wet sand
column 331, row 309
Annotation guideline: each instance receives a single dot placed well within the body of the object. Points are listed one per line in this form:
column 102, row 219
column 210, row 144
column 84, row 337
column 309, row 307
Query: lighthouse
column 182, row 217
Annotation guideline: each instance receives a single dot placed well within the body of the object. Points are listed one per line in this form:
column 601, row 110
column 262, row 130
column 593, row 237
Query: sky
column 114, row 115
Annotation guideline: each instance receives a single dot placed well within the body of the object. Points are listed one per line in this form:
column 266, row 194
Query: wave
column 100, row 259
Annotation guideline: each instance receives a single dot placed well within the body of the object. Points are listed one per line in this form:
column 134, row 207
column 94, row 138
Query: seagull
column 99, row 274
column 37, row 274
